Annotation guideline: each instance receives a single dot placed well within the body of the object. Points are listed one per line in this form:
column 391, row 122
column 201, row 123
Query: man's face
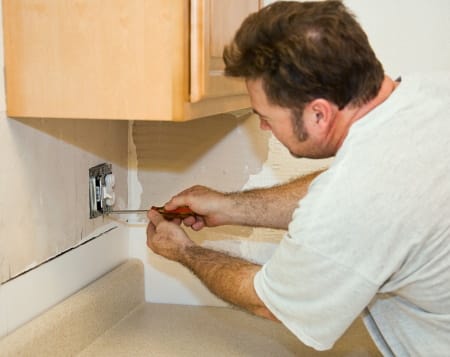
column 278, row 120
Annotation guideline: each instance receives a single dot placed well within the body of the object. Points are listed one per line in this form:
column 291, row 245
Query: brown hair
column 303, row 51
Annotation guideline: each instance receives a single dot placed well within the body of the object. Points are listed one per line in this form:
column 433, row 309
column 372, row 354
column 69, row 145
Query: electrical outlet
column 101, row 190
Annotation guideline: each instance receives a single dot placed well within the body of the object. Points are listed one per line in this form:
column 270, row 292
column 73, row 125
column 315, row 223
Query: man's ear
column 323, row 112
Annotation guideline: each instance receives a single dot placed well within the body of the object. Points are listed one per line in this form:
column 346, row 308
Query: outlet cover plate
column 97, row 201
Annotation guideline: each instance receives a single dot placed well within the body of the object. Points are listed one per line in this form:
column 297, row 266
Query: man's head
column 304, row 51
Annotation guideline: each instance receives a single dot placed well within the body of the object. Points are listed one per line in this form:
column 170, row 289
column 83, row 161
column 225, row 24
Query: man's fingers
column 155, row 217
column 151, row 230
column 189, row 221
column 199, row 224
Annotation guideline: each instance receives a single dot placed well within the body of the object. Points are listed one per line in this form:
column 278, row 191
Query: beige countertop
column 111, row 318
column 174, row 330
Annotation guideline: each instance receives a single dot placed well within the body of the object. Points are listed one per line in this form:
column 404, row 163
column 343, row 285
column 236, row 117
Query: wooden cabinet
column 121, row 59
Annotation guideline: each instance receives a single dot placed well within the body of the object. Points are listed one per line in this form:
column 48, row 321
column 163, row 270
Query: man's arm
column 266, row 207
column 270, row 207
column 228, row 277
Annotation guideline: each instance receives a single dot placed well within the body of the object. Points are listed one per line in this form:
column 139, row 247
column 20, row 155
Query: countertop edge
column 73, row 324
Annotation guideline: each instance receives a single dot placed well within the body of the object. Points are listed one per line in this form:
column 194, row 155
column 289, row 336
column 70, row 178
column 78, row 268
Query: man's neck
column 349, row 115
column 387, row 88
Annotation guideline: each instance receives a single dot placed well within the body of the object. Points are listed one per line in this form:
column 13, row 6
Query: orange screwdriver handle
column 180, row 212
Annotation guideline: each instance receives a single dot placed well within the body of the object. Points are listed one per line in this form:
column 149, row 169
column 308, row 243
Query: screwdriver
column 180, row 212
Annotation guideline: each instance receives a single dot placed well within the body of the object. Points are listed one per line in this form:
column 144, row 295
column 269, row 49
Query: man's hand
column 229, row 278
column 270, row 207
column 212, row 207
column 166, row 238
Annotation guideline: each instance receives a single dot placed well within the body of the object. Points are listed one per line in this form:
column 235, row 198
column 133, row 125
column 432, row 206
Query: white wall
column 407, row 35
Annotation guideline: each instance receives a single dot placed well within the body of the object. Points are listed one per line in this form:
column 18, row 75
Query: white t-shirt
column 372, row 235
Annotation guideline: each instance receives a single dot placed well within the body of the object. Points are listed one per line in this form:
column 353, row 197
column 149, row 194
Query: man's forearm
column 229, row 278
column 270, row 207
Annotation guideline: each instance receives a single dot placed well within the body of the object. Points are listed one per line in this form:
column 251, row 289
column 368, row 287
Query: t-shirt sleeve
column 312, row 295
column 320, row 277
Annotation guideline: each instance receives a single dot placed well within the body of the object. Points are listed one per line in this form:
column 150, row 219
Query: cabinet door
column 213, row 25
column 96, row 59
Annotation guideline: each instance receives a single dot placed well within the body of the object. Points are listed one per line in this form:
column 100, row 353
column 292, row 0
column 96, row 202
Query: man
column 369, row 235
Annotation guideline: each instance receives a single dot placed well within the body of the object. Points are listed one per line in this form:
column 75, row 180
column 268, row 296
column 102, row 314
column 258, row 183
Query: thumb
column 155, row 217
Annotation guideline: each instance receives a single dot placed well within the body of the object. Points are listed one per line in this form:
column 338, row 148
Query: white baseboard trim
column 28, row 295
